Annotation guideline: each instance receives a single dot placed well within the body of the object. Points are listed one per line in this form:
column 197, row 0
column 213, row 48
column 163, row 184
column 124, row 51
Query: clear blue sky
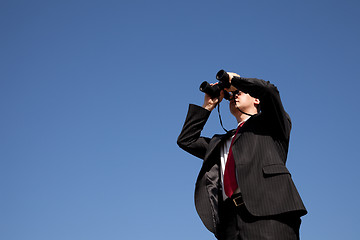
column 93, row 95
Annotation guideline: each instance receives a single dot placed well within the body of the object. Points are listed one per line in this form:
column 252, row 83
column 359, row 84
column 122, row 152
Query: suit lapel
column 216, row 140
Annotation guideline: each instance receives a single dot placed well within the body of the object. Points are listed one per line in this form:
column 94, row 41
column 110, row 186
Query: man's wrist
column 208, row 107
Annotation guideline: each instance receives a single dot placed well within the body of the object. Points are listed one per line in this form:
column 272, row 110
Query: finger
column 233, row 74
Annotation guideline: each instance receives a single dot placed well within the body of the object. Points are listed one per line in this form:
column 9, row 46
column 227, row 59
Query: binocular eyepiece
column 214, row 90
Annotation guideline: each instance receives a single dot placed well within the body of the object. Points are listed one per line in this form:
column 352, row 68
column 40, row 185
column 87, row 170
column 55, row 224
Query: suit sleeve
column 271, row 106
column 189, row 138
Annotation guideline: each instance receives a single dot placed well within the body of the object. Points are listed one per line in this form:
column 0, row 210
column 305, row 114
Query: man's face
column 242, row 101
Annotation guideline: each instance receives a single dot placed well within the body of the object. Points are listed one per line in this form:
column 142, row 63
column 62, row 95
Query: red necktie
column 230, row 183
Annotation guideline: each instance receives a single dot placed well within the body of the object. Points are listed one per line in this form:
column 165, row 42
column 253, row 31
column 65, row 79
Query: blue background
column 93, row 95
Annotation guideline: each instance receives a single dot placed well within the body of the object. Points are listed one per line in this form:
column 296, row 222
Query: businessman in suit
column 244, row 190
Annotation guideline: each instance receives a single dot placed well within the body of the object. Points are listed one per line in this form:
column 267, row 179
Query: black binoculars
column 214, row 90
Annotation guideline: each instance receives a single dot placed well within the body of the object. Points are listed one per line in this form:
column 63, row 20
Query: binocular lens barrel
column 222, row 76
column 214, row 90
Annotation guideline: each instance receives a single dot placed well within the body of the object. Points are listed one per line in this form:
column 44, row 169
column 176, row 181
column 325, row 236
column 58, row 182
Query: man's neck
column 242, row 118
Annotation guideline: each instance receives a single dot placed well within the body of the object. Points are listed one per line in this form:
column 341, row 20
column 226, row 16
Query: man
column 259, row 200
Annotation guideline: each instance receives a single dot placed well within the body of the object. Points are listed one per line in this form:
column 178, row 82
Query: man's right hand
column 210, row 103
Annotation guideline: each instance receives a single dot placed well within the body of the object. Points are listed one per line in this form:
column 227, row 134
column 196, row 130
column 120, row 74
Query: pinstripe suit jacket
column 260, row 152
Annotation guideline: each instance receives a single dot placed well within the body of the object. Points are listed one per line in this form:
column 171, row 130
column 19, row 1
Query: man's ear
column 257, row 104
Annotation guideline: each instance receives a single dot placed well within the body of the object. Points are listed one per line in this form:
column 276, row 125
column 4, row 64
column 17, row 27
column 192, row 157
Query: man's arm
column 189, row 138
column 270, row 103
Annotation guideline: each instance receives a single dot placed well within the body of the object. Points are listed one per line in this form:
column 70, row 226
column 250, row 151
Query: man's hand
column 210, row 103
